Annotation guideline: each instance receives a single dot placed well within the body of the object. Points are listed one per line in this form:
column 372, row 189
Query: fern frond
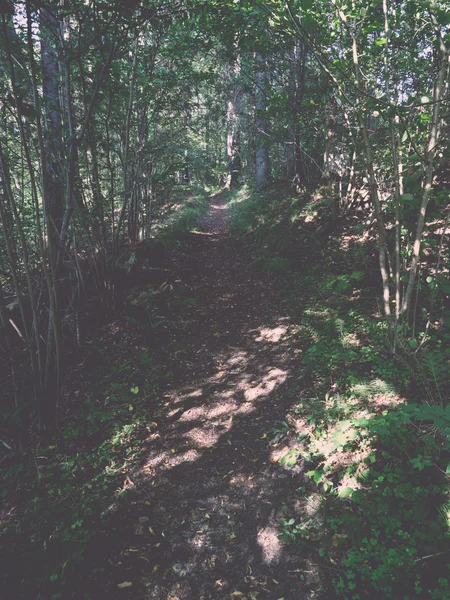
column 436, row 370
column 371, row 388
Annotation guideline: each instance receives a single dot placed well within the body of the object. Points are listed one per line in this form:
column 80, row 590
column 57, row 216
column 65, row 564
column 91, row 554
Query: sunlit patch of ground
column 273, row 335
column 270, row 544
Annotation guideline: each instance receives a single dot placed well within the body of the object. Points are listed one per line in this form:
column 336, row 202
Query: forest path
column 210, row 489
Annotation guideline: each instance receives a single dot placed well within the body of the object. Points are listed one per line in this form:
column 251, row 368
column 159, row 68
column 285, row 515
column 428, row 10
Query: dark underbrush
column 59, row 497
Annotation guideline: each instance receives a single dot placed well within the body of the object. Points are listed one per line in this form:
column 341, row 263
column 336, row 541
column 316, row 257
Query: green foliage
column 377, row 463
column 396, row 513
column 73, row 491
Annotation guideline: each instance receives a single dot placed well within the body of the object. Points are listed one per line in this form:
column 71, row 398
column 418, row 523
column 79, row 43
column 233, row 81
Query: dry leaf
column 125, row 584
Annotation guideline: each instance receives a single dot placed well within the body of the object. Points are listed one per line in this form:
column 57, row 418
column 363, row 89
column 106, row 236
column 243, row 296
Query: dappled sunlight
column 193, row 414
column 225, row 406
column 244, row 481
column 181, row 397
column 198, row 540
column 269, row 543
column 272, row 335
column 237, row 358
column 202, row 233
column 214, row 483
column 206, row 437
column 168, row 459
column 274, row 378
column 156, row 458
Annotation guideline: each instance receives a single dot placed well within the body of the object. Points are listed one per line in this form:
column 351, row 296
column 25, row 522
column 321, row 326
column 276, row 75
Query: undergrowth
column 68, row 490
column 371, row 435
column 58, row 497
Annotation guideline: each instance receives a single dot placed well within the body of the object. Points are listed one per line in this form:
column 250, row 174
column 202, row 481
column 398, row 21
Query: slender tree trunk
column 433, row 138
column 52, row 124
column 262, row 160
column 374, row 192
column 297, row 62
column 233, row 125
column 52, row 383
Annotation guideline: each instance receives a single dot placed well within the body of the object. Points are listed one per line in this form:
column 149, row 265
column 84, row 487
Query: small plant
column 279, row 431
column 293, row 531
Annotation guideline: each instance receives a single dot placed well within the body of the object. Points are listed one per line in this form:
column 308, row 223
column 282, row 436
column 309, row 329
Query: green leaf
column 134, row 390
column 345, row 492
column 316, row 475
column 290, row 459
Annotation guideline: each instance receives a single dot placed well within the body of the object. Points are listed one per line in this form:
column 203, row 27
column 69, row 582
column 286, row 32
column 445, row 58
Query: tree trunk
column 297, row 60
column 262, row 161
column 233, row 125
column 52, row 125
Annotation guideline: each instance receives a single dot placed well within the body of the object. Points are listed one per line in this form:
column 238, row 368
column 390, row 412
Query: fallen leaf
column 125, row 584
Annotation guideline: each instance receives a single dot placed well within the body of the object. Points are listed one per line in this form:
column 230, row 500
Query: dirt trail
column 209, row 491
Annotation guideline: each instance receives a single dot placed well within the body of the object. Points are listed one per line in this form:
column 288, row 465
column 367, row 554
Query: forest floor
column 228, row 406
column 209, row 490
